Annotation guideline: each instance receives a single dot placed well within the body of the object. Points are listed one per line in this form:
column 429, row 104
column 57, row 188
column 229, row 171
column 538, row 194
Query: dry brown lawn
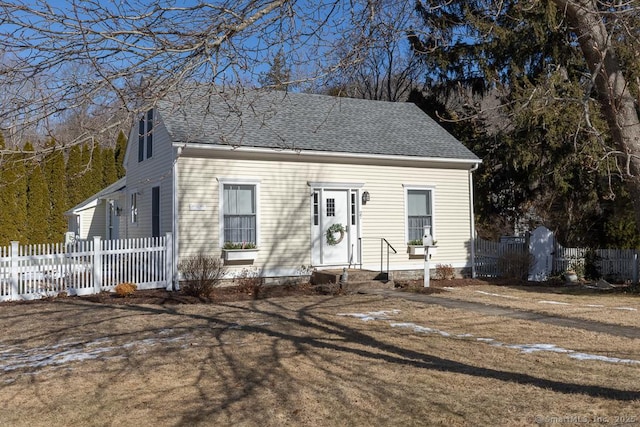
column 306, row 361
column 580, row 303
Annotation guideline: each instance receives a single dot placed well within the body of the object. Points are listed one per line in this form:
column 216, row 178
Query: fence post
column 635, row 268
column 13, row 275
column 168, row 263
column 97, row 265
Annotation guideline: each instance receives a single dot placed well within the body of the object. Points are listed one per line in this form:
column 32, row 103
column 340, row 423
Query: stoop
column 357, row 280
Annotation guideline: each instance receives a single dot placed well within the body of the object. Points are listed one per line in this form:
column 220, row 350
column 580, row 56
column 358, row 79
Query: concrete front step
column 354, row 287
column 320, row 277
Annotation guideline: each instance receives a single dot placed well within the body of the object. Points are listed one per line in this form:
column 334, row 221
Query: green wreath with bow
column 331, row 231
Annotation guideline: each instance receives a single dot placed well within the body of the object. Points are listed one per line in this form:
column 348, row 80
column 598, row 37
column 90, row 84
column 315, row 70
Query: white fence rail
column 499, row 259
column 84, row 267
column 612, row 264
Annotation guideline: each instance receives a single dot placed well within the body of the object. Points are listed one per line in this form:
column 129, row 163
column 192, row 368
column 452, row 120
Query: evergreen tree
column 75, row 170
column 109, row 170
column 13, row 195
column 95, row 178
column 279, row 74
column 84, row 181
column 37, row 199
column 6, row 234
column 121, row 148
column 549, row 153
column 20, row 197
column 90, row 181
column 54, row 166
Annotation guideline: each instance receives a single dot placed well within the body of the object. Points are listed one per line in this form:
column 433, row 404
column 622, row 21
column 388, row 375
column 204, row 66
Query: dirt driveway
column 306, row 360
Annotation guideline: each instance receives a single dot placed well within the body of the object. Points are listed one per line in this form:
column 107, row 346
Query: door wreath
column 331, row 231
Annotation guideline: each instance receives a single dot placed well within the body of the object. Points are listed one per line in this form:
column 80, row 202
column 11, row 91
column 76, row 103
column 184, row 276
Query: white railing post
column 97, row 265
column 13, row 275
column 168, row 263
column 427, row 242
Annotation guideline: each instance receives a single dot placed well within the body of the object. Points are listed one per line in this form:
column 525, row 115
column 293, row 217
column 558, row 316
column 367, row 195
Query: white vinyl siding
column 286, row 208
column 92, row 222
column 154, row 171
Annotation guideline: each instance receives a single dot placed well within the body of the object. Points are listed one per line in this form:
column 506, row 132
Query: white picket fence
column 501, row 259
column 612, row 264
column 84, row 267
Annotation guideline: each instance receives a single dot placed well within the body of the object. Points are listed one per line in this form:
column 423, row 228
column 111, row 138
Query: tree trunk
column 616, row 101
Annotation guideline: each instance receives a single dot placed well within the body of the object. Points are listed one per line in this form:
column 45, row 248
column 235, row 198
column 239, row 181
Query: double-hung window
column 240, row 212
column 145, row 136
column 419, row 212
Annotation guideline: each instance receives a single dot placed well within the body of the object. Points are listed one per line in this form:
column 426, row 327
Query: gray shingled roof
column 298, row 121
column 107, row 191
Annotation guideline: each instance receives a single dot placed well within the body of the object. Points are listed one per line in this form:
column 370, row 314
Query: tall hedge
column 38, row 205
column 54, row 164
column 13, row 195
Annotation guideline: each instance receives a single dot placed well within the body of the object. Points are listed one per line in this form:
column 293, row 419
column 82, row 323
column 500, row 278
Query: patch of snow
column 419, row 328
column 71, row 351
column 532, row 348
column 594, row 305
column 51, row 355
column 372, row 315
column 448, row 288
column 625, row 308
column 553, row 302
column 524, row 348
column 585, row 356
column 497, row 295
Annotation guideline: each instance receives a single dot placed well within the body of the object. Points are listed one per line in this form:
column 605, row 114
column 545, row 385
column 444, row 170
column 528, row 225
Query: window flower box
column 240, row 254
column 416, row 250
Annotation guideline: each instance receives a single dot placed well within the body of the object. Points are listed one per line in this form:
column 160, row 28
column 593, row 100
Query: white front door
column 334, row 226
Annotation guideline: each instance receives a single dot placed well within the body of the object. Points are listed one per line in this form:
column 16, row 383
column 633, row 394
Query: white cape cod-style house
column 304, row 181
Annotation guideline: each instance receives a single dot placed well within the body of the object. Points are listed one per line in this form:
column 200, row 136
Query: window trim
column 149, row 133
column 141, row 139
column 156, row 219
column 133, row 207
column 145, row 135
column 237, row 181
column 430, row 188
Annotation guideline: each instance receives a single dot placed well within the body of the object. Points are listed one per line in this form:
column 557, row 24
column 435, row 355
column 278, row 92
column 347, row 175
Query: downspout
column 472, row 221
column 174, row 201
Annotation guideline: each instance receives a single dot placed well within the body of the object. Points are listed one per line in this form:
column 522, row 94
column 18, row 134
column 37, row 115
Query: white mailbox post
column 427, row 242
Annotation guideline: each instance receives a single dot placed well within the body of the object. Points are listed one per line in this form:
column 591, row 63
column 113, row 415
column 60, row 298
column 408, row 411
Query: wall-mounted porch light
column 365, row 197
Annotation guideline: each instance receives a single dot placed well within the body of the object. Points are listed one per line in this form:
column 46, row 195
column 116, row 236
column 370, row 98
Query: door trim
column 335, row 185
column 354, row 233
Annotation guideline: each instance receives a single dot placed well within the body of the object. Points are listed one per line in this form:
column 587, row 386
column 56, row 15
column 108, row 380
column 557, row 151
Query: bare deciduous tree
column 96, row 55
column 387, row 70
